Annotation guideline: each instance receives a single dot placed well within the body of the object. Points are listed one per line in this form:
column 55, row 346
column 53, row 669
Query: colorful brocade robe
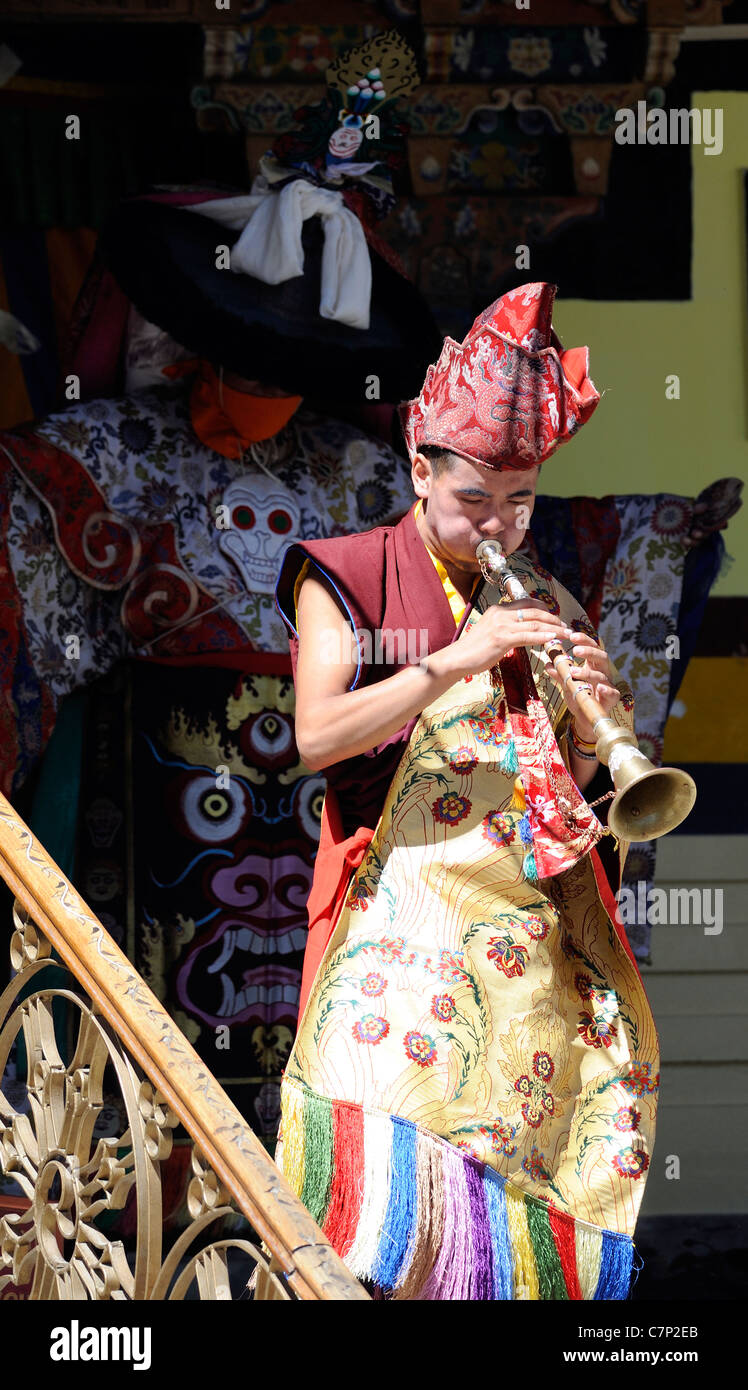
column 469, row 1107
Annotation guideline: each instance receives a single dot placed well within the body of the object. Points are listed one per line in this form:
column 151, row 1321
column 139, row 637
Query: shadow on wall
column 702, row 1260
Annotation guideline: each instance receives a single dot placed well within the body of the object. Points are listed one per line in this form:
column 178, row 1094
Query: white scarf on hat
column 270, row 248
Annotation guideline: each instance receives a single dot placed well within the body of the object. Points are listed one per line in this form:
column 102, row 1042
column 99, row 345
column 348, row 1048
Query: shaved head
column 441, row 460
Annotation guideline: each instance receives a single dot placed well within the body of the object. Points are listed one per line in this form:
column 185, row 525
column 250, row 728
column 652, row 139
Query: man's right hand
column 334, row 722
column 503, row 626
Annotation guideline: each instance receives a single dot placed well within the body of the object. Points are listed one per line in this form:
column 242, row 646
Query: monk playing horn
column 469, row 1106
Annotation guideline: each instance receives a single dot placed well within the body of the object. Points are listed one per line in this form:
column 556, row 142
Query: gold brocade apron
column 476, row 1070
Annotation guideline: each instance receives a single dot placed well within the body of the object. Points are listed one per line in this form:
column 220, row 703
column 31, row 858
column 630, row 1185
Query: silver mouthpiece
column 492, row 561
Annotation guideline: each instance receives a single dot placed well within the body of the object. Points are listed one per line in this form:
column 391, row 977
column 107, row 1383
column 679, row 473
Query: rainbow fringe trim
column 409, row 1212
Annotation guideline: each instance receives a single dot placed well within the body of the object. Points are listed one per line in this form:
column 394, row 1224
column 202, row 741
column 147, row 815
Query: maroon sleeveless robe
column 386, row 581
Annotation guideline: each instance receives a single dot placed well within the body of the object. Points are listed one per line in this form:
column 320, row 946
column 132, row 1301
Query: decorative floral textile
column 140, row 463
column 624, row 559
column 27, row 706
column 576, row 539
column 557, row 824
column 512, row 1023
column 712, row 510
column 263, row 52
column 516, row 155
column 124, row 554
column 504, row 397
column 639, row 621
column 449, row 109
column 458, row 248
column 552, row 54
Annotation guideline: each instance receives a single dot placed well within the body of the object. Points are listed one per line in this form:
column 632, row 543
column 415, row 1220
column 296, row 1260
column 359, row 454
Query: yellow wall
column 637, row 440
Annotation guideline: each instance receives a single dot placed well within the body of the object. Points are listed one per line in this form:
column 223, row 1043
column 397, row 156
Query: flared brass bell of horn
column 649, row 801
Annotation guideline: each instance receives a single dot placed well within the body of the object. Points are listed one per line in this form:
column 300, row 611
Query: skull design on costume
column 263, row 519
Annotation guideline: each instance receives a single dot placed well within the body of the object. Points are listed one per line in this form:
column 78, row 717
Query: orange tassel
column 518, row 802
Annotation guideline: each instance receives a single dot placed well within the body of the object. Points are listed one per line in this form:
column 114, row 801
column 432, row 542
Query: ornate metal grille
column 70, row 1176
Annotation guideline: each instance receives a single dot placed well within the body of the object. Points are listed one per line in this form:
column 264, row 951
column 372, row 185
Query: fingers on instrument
column 648, row 801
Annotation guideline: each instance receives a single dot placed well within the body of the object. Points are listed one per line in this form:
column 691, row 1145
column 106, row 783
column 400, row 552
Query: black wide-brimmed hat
column 164, row 259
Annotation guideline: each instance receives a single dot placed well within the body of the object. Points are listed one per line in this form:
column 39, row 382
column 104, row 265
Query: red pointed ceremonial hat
column 509, row 394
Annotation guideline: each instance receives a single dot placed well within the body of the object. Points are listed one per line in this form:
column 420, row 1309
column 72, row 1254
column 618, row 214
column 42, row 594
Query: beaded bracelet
column 588, row 757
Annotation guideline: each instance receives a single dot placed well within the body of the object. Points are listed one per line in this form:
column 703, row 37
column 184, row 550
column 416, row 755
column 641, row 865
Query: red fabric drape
column 338, row 857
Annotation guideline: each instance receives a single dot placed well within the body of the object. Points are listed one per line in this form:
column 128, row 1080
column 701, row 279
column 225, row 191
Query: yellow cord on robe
column 455, row 600
column 300, row 580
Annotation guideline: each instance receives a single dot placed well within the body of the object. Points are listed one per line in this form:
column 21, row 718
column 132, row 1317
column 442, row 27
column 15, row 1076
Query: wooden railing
column 69, row 1177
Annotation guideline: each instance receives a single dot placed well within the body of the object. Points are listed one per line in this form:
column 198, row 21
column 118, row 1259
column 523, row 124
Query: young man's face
column 467, row 504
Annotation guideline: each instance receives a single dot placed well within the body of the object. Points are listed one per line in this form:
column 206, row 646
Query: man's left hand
column 594, row 669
